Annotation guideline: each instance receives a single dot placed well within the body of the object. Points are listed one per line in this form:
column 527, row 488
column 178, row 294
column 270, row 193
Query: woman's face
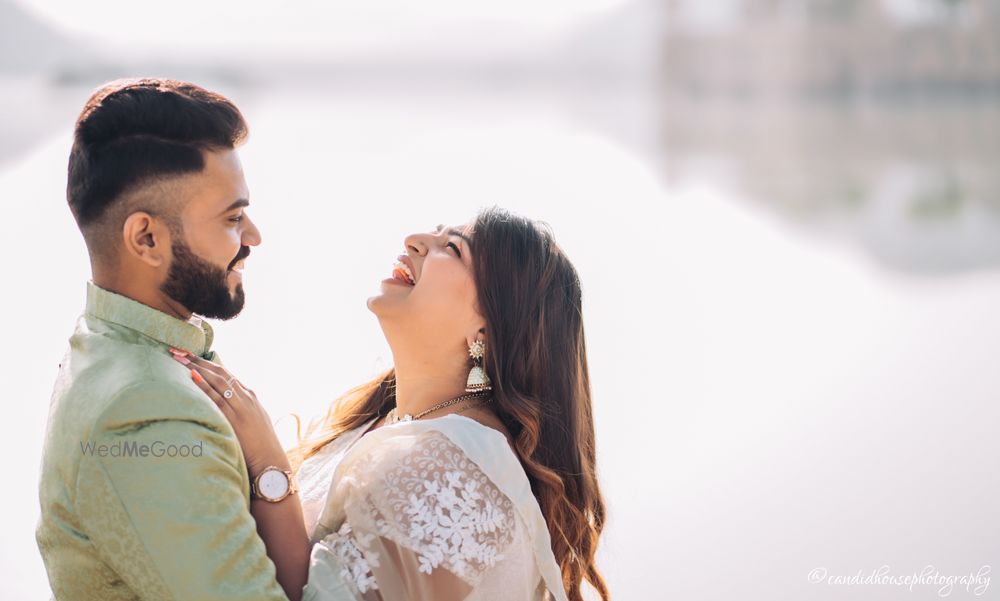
column 431, row 296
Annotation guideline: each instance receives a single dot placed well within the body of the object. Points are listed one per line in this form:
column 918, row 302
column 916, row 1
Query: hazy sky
column 306, row 25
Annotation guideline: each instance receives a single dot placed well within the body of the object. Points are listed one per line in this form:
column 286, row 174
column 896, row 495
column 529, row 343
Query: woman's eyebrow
column 454, row 232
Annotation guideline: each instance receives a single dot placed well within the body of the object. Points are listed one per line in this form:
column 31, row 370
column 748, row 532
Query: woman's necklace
column 393, row 416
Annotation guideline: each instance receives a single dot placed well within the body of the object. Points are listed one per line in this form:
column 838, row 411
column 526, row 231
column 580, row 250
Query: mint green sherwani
column 144, row 490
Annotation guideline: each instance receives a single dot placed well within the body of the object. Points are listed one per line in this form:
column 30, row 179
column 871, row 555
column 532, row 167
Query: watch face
column 273, row 484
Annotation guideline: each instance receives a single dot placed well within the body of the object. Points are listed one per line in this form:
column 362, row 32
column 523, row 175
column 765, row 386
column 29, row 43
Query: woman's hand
column 239, row 404
column 280, row 525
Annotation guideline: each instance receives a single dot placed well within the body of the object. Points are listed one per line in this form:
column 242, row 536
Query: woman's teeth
column 402, row 269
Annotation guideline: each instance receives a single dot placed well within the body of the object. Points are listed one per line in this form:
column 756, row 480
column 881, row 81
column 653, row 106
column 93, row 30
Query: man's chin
column 205, row 289
column 238, row 299
column 230, row 310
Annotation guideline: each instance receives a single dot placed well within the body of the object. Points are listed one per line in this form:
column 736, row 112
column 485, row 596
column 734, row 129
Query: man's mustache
column 244, row 253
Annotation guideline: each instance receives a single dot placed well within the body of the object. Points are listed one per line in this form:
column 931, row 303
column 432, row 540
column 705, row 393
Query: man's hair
column 137, row 132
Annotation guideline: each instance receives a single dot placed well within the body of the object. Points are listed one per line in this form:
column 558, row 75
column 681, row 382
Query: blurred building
column 834, row 49
column 875, row 121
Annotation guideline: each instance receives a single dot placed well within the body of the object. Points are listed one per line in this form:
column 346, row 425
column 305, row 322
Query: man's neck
column 154, row 297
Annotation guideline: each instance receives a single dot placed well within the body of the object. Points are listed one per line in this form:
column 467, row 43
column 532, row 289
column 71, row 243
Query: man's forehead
column 222, row 158
column 219, row 187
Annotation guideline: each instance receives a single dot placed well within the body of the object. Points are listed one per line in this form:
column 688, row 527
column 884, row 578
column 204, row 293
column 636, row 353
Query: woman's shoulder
column 412, row 473
column 451, row 440
column 439, row 460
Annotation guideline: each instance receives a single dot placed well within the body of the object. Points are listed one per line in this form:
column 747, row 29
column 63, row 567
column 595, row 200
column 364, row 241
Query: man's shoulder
column 124, row 382
column 161, row 394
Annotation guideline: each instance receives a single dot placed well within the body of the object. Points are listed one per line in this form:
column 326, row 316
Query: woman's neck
column 422, row 384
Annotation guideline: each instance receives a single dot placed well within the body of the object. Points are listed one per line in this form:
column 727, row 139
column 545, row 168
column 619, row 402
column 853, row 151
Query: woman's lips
column 399, row 274
column 406, row 260
column 403, row 270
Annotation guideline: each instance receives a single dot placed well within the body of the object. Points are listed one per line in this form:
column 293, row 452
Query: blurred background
column 785, row 213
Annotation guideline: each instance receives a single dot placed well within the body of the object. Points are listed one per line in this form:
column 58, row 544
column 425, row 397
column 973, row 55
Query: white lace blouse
column 437, row 509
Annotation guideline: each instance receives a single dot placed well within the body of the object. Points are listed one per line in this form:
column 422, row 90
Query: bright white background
column 772, row 394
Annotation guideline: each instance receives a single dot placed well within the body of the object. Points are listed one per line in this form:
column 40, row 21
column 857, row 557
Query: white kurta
column 436, row 509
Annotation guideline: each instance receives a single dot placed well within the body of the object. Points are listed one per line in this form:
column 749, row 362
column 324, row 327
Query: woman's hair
column 530, row 296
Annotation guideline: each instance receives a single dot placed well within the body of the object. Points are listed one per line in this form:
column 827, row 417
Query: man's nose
column 251, row 235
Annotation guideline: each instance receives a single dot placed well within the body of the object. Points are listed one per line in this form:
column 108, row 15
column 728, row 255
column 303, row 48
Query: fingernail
column 181, row 359
column 196, row 377
column 177, row 351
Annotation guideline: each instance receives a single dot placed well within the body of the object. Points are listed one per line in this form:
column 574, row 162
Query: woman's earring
column 478, row 380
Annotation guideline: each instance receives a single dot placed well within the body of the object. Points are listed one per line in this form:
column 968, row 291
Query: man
column 144, row 488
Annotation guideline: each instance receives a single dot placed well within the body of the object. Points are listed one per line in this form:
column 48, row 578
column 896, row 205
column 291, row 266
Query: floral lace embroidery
column 439, row 504
column 356, row 557
column 450, row 519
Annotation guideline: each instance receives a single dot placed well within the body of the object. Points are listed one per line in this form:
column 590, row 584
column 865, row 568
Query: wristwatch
column 273, row 484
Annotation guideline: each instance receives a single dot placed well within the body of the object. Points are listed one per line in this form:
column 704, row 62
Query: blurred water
column 913, row 184
column 769, row 398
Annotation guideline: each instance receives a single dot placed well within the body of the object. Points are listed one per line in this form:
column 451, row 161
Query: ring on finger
column 228, row 393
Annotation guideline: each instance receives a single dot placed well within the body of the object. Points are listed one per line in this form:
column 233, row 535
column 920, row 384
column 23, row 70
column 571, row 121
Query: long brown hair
column 530, row 296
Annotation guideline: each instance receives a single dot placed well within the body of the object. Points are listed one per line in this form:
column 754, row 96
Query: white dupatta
column 431, row 509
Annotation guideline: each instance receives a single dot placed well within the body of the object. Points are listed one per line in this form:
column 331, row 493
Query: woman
column 467, row 471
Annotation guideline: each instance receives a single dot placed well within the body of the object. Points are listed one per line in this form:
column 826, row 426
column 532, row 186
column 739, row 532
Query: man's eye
column 455, row 247
column 236, row 219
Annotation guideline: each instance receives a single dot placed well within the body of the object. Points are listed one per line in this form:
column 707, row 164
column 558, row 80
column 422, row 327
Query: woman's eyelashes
column 453, row 246
column 236, row 219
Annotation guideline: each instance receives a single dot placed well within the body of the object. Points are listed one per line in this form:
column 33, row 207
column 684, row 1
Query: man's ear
column 146, row 238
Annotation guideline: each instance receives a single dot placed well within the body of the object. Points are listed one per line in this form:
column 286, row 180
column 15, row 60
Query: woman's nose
column 417, row 243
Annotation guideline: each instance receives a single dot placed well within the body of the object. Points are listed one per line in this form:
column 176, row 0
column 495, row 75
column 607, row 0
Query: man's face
column 213, row 239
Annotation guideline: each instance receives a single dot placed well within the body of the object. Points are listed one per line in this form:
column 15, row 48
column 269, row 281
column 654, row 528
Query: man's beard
column 200, row 286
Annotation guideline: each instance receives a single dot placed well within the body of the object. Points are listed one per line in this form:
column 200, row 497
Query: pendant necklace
column 393, row 416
